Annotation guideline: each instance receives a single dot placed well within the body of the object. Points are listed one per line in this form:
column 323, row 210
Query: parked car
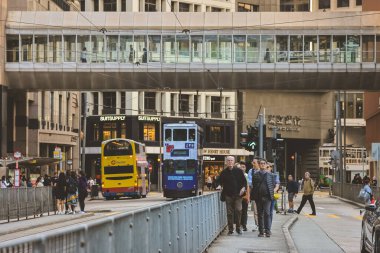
column 370, row 235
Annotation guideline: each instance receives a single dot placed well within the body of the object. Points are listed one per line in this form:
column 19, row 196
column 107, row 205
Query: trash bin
column 94, row 191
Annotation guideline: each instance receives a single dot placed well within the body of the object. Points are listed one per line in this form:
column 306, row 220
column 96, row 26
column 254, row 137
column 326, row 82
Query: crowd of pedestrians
column 259, row 188
column 69, row 189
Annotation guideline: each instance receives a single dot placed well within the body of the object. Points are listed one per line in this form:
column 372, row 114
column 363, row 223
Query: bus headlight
column 179, row 185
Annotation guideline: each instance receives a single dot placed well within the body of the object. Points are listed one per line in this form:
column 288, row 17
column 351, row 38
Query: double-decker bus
column 124, row 169
column 182, row 168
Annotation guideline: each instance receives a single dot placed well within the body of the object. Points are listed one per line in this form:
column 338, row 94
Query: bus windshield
column 180, row 166
column 118, row 148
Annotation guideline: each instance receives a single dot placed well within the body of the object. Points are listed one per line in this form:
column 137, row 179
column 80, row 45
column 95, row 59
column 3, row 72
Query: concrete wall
column 315, row 111
column 372, row 117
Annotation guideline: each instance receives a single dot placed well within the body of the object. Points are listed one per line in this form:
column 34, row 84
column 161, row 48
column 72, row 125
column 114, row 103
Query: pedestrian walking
column 263, row 184
column 47, row 180
column 292, row 188
column 60, row 192
column 234, row 185
column 308, row 191
column 273, row 204
column 366, row 192
column 245, row 199
column 255, row 168
column 82, row 190
column 39, row 182
column 72, row 192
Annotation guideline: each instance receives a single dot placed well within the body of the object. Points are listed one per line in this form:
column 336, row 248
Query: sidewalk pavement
column 249, row 242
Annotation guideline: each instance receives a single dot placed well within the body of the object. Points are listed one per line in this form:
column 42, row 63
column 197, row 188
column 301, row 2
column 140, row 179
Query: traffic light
column 250, row 140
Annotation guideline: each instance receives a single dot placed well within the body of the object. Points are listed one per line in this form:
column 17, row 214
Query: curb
column 47, row 224
column 288, row 238
column 348, row 201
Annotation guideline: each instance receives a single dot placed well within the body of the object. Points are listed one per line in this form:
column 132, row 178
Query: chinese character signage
column 284, row 123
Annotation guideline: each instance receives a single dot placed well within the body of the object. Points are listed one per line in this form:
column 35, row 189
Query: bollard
column 34, row 202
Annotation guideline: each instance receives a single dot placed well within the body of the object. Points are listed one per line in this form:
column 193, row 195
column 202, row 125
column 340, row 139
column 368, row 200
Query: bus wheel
column 143, row 196
column 117, row 198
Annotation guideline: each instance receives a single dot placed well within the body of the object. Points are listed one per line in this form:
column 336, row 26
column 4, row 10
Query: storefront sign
column 149, row 118
column 208, row 158
column 284, row 123
column 112, row 118
column 17, row 177
column 208, row 151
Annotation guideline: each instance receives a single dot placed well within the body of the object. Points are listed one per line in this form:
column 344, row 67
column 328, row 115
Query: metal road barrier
column 187, row 225
column 351, row 191
column 19, row 203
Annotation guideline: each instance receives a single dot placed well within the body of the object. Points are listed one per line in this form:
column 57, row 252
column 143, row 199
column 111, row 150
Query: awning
column 29, row 161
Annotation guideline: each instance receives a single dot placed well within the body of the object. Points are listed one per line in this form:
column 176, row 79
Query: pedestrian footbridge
column 283, row 51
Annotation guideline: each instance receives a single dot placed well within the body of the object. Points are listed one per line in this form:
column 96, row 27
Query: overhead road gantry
column 269, row 51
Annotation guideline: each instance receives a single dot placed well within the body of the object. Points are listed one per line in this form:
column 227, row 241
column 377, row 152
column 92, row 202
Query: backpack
column 364, row 195
column 72, row 186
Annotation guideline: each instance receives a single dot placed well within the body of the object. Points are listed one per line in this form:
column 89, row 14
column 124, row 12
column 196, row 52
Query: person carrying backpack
column 72, row 192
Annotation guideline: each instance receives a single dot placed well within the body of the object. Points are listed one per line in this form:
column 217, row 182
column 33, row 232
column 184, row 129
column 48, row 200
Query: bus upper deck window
column 191, row 134
column 179, row 134
column 168, row 134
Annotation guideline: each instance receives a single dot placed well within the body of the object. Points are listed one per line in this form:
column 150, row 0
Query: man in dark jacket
column 263, row 183
column 234, row 185
column 292, row 187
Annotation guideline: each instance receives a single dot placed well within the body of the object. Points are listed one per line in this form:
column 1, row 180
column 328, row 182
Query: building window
column 109, row 102
column 109, row 5
column 12, row 48
column 214, row 9
column 109, row 131
column 195, row 105
column 26, row 48
column 149, row 132
column 82, row 5
column 216, row 107
column 172, row 104
column 243, row 7
column 96, row 5
column 123, row 130
column 150, row 102
column 324, row 4
column 184, row 7
column 184, row 105
column 343, row 3
column 60, row 109
column 290, row 5
column 123, row 5
column 51, row 107
column 122, row 102
column 358, row 2
column 96, row 104
column 215, row 134
column 150, row 5
column 359, row 106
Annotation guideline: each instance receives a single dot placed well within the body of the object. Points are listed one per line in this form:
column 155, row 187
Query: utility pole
column 274, row 150
column 261, row 136
column 83, row 165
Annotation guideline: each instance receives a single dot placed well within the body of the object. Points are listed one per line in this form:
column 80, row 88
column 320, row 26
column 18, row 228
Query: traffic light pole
column 261, row 136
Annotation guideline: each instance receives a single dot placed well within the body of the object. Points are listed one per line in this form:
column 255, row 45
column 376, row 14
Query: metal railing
column 19, row 203
column 186, row 226
column 351, row 191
